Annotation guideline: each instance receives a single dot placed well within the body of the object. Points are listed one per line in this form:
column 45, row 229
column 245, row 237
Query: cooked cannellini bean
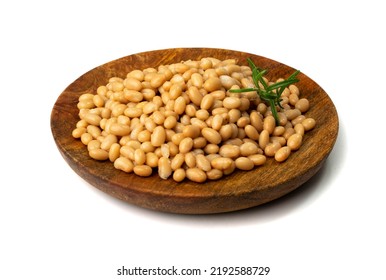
column 182, row 119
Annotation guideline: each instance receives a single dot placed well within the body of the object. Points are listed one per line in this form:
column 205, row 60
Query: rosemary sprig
column 271, row 94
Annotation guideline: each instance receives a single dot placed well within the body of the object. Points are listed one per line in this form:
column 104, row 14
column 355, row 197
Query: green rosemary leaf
column 257, row 77
column 284, row 84
column 293, row 75
column 243, row 90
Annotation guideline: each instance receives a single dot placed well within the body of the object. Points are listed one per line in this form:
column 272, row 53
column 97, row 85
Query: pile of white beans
column 181, row 120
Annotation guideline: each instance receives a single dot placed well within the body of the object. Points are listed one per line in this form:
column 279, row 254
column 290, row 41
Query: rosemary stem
column 274, row 111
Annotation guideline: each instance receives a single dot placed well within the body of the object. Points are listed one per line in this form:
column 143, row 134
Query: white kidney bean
column 182, row 119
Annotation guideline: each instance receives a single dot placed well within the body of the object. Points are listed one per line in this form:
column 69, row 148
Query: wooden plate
column 242, row 189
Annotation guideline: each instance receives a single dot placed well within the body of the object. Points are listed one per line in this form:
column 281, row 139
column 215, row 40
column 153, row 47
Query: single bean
column 218, row 95
column 245, row 104
column 194, row 95
column 124, row 164
column 196, row 175
column 173, row 148
column 158, row 117
column 211, row 135
column 177, row 161
column 133, row 112
column 86, row 138
column 181, row 68
column 77, row 132
column 119, row 129
column 180, row 105
column 158, row 136
column 278, row 131
column 292, row 114
column 271, row 148
column 152, row 159
column 144, row 136
column 186, row 145
column 214, row 174
column 226, row 132
column 179, row 175
column 93, row 144
column 149, row 108
column 108, row 141
column 164, row 168
column 229, row 151
column 227, row 82
column 114, row 152
column 269, row 124
column 217, row 122
column 139, row 157
column 244, row 163
column 282, row 154
column 211, row 157
column 170, row 122
column 234, row 141
column 86, row 96
column 243, row 121
column 202, row 114
column 157, row 80
column 199, row 142
column 116, row 85
column 122, row 119
column 132, row 83
column 293, row 99
column 177, row 138
column 302, row 105
column 203, row 163
column 211, row 148
column 205, row 63
column 230, row 169
column 92, row 119
column 308, row 123
column 143, row 170
column 258, row 159
column 231, row 102
column 264, row 139
column 221, row 163
column 99, row 154
column 262, row 108
column 251, row 132
column 299, row 129
column 207, row 102
column 298, row 120
column 98, row 101
column 294, row 89
column 190, row 160
column 295, row 141
column 191, row 131
column 95, row 131
column 127, row 151
column 136, row 74
column 288, row 132
column 248, row 149
column 118, row 110
column 197, row 80
column 147, row 147
column 148, row 94
column 256, row 121
column 212, row 84
column 81, row 123
column 134, row 144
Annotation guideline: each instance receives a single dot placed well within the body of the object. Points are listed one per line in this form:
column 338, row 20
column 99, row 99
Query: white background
column 56, row 226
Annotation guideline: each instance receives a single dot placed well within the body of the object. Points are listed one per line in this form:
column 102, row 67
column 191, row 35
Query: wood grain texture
column 242, row 189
